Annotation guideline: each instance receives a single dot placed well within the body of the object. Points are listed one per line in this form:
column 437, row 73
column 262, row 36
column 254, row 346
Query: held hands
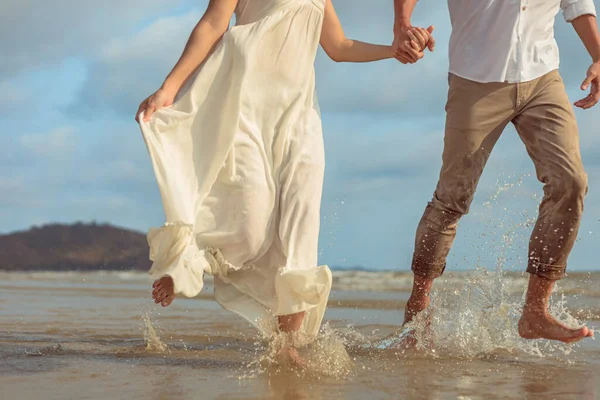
column 161, row 98
column 593, row 79
column 410, row 43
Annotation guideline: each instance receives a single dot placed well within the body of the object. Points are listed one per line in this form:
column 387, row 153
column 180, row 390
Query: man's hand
column 410, row 42
column 593, row 79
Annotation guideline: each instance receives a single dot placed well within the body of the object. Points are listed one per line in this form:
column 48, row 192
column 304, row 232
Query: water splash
column 477, row 321
column 502, row 187
column 333, row 221
column 482, row 319
column 326, row 356
column 152, row 341
column 49, row 350
column 479, row 318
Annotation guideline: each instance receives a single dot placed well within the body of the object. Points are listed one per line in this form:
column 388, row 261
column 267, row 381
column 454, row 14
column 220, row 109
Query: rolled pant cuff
column 427, row 270
column 547, row 271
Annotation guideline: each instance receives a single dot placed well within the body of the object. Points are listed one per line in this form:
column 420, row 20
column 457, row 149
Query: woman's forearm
column 341, row 49
column 356, row 51
column 586, row 27
column 199, row 45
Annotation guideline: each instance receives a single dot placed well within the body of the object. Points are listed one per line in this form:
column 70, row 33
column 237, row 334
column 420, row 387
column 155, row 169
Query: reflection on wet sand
column 224, row 372
column 56, row 343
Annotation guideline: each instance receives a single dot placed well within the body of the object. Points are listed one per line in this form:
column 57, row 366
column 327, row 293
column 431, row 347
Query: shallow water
column 98, row 335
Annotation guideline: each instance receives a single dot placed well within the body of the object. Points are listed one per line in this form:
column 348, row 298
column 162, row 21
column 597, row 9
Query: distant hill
column 80, row 246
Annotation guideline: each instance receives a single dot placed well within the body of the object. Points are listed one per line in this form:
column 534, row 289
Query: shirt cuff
column 578, row 8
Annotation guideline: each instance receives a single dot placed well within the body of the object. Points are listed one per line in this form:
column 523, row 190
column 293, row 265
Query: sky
column 72, row 74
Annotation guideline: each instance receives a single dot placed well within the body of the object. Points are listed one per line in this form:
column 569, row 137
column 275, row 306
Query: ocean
column 98, row 335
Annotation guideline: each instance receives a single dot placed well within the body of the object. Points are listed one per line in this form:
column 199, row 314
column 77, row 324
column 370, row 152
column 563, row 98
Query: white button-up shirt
column 507, row 40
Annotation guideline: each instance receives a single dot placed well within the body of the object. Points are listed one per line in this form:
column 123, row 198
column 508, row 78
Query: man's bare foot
column 417, row 328
column 537, row 323
column 417, row 334
column 417, row 303
column 164, row 291
column 414, row 306
column 541, row 325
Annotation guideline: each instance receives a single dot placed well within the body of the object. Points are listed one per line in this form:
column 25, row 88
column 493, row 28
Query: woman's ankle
column 291, row 323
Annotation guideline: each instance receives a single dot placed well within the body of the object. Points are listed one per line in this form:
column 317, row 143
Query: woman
column 239, row 160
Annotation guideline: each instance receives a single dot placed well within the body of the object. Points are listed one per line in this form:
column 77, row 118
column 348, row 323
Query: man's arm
column 403, row 10
column 582, row 15
column 586, row 27
column 573, row 9
column 402, row 47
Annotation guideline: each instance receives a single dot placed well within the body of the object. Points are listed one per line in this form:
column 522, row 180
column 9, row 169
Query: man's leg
column 546, row 124
column 477, row 113
column 537, row 323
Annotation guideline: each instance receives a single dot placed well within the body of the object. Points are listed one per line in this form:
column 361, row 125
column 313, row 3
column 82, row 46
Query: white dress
column 239, row 161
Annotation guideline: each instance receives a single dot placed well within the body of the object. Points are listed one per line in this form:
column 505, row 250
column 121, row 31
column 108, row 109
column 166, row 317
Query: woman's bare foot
column 289, row 355
column 541, row 325
column 164, row 291
column 289, row 325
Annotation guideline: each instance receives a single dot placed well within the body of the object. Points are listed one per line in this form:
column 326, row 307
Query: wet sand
column 99, row 336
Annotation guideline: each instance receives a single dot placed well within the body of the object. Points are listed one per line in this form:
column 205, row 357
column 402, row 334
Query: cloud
column 383, row 125
column 40, row 95
column 128, row 69
column 12, row 98
column 14, row 192
column 382, row 170
column 589, row 121
column 386, row 86
column 574, row 59
column 366, row 153
column 58, row 145
column 35, row 34
column 99, row 171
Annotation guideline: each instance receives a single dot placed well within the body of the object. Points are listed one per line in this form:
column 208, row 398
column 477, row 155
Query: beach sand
column 99, row 336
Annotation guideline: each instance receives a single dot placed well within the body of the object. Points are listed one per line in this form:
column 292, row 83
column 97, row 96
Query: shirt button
column 524, row 8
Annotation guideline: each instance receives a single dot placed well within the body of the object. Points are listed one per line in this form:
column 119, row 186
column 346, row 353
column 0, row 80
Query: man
column 503, row 69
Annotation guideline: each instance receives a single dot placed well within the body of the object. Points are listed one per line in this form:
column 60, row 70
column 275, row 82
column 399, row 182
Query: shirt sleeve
column 573, row 9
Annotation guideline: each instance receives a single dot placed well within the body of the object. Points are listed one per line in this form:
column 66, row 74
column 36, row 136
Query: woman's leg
column 300, row 202
column 291, row 323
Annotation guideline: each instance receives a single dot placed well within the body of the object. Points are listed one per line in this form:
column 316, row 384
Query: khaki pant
column 477, row 113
